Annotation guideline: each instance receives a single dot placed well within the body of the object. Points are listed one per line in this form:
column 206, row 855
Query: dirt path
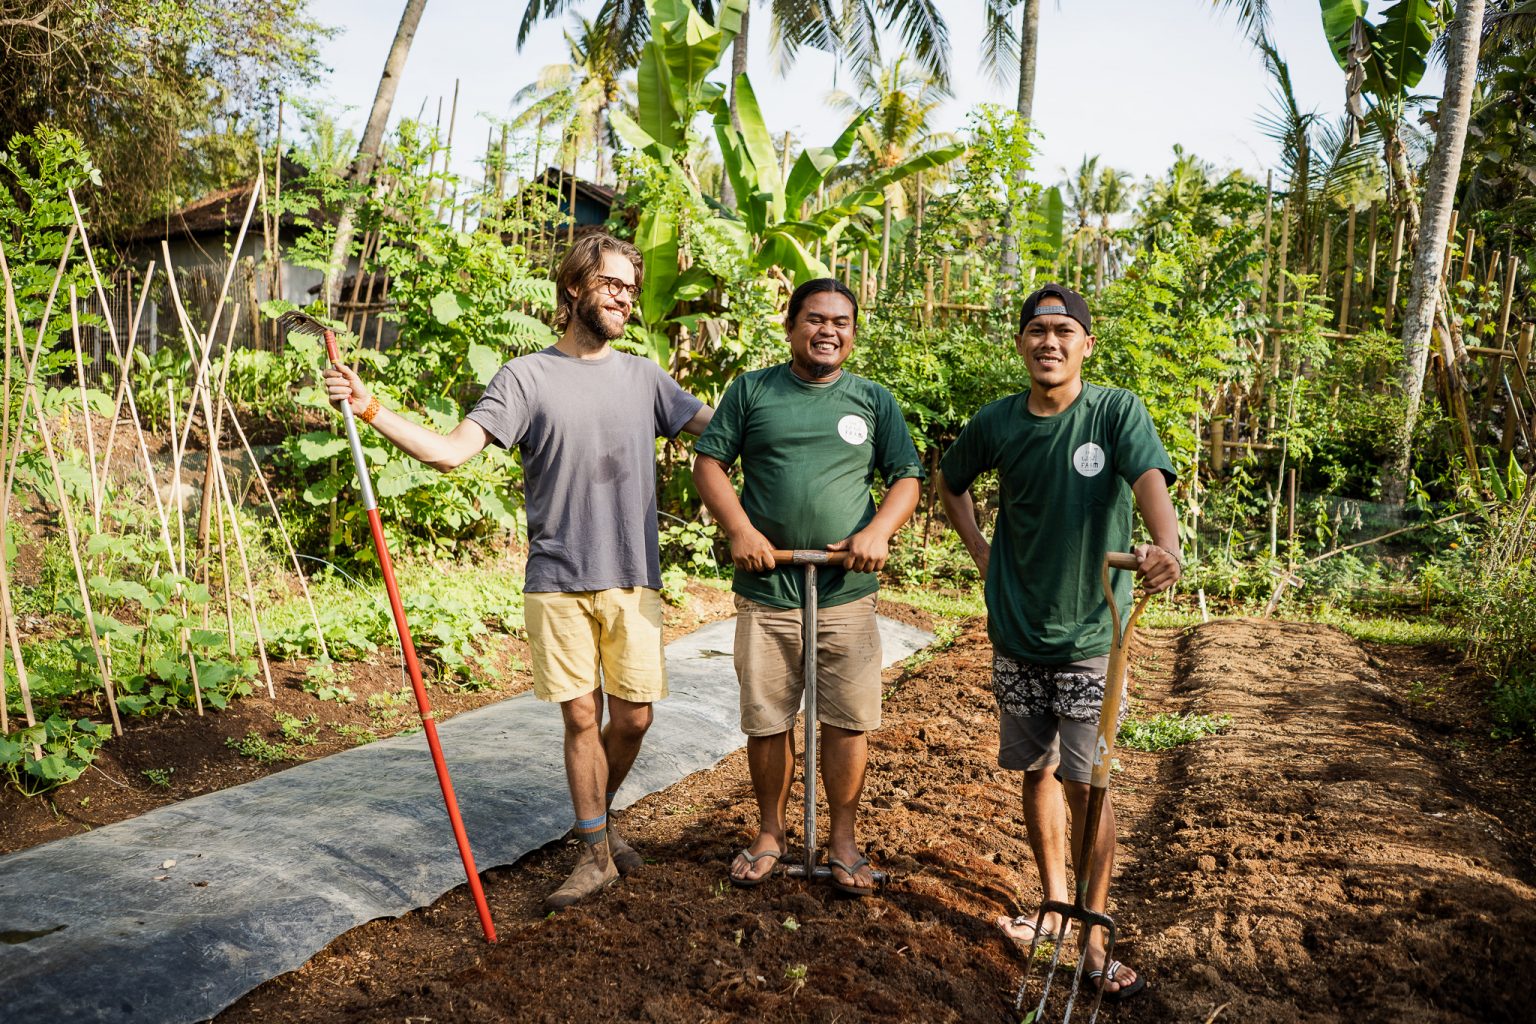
column 1335, row 856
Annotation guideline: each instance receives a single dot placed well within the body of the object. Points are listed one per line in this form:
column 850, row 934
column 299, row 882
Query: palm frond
column 537, row 11
column 924, row 34
column 1000, row 41
column 1252, row 17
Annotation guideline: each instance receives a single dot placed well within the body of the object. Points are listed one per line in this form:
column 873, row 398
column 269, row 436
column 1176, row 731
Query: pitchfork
column 300, row 323
column 1103, row 748
column 811, row 559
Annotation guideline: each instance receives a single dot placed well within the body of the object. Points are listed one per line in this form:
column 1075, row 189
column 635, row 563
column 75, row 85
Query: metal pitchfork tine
column 811, row 559
column 300, row 323
column 1103, row 748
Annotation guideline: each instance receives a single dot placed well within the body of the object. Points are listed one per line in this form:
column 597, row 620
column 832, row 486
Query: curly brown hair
column 582, row 261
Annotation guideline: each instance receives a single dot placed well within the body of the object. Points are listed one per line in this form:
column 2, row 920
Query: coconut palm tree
column 1111, row 197
column 373, row 140
column 578, row 94
column 904, row 99
column 1439, row 195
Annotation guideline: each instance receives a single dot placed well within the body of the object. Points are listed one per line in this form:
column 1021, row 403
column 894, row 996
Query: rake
column 810, row 869
column 300, row 323
column 1104, row 745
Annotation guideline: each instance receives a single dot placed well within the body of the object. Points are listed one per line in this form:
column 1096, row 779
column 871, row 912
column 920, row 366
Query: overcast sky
column 1125, row 79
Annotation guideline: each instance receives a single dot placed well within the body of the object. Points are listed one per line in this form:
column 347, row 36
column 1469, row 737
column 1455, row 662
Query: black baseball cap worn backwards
column 1055, row 298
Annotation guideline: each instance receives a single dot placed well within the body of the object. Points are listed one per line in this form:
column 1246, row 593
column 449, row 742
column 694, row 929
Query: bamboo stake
column 1368, row 291
column 215, row 415
column 7, row 612
column 1397, row 270
column 245, row 572
column 126, row 361
column 85, row 409
column 176, row 493
column 1285, row 251
column 1522, row 360
column 282, row 529
column 1323, row 270
column 1509, row 297
column 210, row 475
column 1269, row 209
column 218, row 308
column 1466, row 255
column 66, row 510
column 1349, row 271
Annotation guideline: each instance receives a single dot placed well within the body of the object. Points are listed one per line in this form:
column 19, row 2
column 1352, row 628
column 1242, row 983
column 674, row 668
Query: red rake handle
column 412, row 665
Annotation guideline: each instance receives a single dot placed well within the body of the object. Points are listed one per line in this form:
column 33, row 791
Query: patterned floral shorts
column 1072, row 692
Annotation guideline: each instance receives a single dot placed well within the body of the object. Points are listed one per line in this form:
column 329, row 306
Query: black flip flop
column 1120, row 995
column 752, row 859
column 849, row 888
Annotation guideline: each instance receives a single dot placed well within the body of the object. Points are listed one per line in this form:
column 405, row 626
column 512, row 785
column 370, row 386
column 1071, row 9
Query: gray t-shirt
column 586, row 430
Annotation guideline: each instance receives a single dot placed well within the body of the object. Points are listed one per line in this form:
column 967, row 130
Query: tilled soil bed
column 1353, row 848
column 163, row 759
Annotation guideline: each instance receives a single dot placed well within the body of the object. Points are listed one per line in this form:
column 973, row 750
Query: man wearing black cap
column 1070, row 456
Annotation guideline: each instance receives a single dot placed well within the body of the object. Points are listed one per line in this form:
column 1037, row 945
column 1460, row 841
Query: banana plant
column 1385, row 58
column 770, row 224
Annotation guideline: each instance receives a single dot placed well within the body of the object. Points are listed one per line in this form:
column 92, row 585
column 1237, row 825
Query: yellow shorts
column 592, row 637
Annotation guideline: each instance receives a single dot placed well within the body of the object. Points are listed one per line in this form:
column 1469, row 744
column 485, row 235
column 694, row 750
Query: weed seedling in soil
column 159, row 776
column 359, row 735
column 1164, row 731
column 259, row 748
column 294, row 730
column 320, row 680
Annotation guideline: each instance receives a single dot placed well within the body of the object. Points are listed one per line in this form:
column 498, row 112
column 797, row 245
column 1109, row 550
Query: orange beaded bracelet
column 371, row 411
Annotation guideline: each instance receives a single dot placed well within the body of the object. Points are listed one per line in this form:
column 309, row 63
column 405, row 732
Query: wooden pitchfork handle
column 1109, row 712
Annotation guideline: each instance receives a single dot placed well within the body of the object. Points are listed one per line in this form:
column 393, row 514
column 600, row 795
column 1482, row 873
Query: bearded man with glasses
column 584, row 418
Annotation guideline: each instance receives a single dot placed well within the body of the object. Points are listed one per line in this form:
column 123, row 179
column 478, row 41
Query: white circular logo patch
column 1088, row 460
column 852, row 429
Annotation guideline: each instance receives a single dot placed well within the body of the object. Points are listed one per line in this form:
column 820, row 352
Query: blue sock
column 593, row 830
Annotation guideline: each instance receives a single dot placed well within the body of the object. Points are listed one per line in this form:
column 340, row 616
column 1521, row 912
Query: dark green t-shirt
column 1065, row 501
column 808, row 459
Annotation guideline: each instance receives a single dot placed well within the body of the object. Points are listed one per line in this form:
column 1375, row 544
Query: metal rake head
column 296, row 322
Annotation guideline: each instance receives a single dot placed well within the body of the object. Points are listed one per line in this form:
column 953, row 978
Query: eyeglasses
column 613, row 286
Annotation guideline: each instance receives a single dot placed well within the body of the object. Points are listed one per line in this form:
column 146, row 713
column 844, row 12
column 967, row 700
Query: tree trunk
column 1029, row 38
column 738, row 68
column 373, row 140
column 1428, row 260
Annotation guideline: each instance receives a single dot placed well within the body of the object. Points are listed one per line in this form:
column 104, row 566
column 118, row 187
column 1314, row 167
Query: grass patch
column 946, row 604
column 1167, row 615
column 1165, row 731
column 1387, row 630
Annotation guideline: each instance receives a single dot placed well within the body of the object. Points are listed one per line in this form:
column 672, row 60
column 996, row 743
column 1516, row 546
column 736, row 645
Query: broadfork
column 301, row 323
column 1103, row 761
column 809, row 868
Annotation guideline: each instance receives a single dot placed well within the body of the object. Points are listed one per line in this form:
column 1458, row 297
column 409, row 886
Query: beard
column 597, row 320
column 820, row 370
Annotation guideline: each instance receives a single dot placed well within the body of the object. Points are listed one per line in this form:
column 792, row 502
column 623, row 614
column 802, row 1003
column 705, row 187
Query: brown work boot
column 625, row 858
column 594, row 872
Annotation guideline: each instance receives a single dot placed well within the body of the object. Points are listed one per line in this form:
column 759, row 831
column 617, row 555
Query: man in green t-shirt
column 1069, row 457
column 810, row 438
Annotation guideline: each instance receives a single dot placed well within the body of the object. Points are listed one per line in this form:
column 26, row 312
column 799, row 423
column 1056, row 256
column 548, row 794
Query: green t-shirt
column 808, row 459
column 1065, row 501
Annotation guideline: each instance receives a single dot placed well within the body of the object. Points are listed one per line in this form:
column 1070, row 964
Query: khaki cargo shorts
column 770, row 666
column 590, row 638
